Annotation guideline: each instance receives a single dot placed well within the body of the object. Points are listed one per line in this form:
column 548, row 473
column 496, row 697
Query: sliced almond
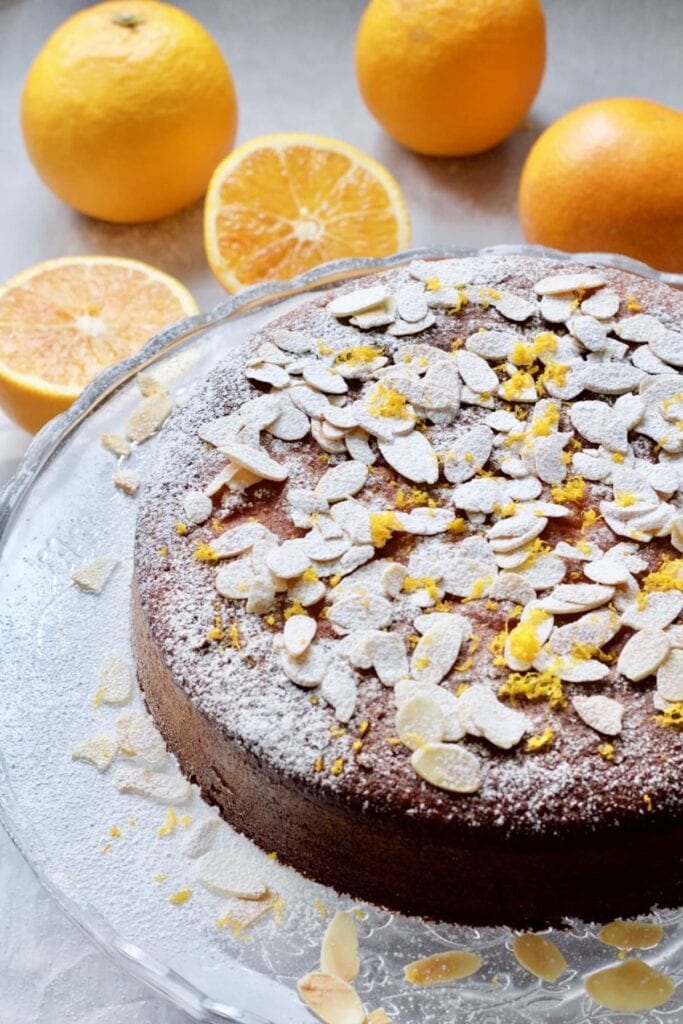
column 476, row 372
column 298, row 634
column 440, row 968
column 631, row 934
column 256, row 460
column 163, row 789
column 601, row 713
column 643, row 653
column 289, row 559
column 437, row 650
column 419, row 721
column 657, row 611
column 630, row 987
column 149, row 416
column 197, row 507
column 99, row 752
column 94, row 576
column 358, row 301
column 413, row 456
column 239, row 539
column 331, row 999
column 581, row 280
column 342, row 481
column 116, row 681
column 670, row 676
column 268, row 373
column 307, row 670
column 447, row 766
column 220, row 873
column 539, row 955
column 339, row 688
column 324, row 378
column 116, row 444
column 138, row 737
column 197, row 840
column 339, row 951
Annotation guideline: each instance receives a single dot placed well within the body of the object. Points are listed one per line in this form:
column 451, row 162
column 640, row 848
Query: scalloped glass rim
column 132, row 958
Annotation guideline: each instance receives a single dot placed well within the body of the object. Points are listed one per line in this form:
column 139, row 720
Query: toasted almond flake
column 570, row 669
column 128, row 481
column 99, row 751
column 306, row 592
column 239, row 539
column 339, row 950
column 116, row 681
column 643, row 653
column 358, row 301
column 94, row 576
column 163, row 789
column 306, row 670
column 288, row 560
column 607, row 570
column 448, row 272
column 658, row 611
column 379, row 316
column 670, row 676
column 298, row 634
column 330, row 998
column 377, row 1017
column 148, row 417
column 324, row 378
column 219, row 872
column 601, row 713
column 116, row 444
column 238, row 915
column 255, row 460
column 268, row 373
column 388, row 658
column 138, row 737
column 539, row 955
column 453, row 728
column 447, row 766
column 358, row 447
column 631, row 934
column 342, row 481
column 647, row 361
column 198, row 839
column 197, row 507
column 425, row 522
column 558, row 283
column 482, row 714
column 630, row 987
column 441, row 968
column 476, row 372
column 412, row 456
column 419, row 721
column 308, row 400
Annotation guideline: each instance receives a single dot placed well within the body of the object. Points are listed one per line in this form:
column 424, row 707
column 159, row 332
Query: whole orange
column 446, row 78
column 608, row 177
column 127, row 109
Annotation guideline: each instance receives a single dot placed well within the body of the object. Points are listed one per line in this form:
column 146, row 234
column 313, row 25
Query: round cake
column 408, row 590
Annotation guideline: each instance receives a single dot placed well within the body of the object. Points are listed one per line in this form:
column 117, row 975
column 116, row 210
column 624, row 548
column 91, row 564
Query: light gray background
column 293, row 66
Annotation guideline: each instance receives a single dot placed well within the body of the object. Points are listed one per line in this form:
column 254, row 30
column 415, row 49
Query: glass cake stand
column 61, row 511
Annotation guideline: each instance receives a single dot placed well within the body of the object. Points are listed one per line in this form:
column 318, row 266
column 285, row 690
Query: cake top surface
column 416, row 545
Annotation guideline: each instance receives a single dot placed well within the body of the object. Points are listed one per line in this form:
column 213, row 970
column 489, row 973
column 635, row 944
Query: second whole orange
column 607, row 177
column 450, row 79
column 127, row 110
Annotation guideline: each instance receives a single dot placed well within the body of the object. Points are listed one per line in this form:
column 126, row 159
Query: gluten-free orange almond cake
column 408, row 590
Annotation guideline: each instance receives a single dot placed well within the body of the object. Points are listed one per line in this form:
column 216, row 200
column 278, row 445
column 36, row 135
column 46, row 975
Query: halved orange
column 64, row 320
column 281, row 204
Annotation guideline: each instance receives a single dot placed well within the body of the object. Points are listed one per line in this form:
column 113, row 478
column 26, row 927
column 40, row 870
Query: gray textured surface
column 292, row 62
